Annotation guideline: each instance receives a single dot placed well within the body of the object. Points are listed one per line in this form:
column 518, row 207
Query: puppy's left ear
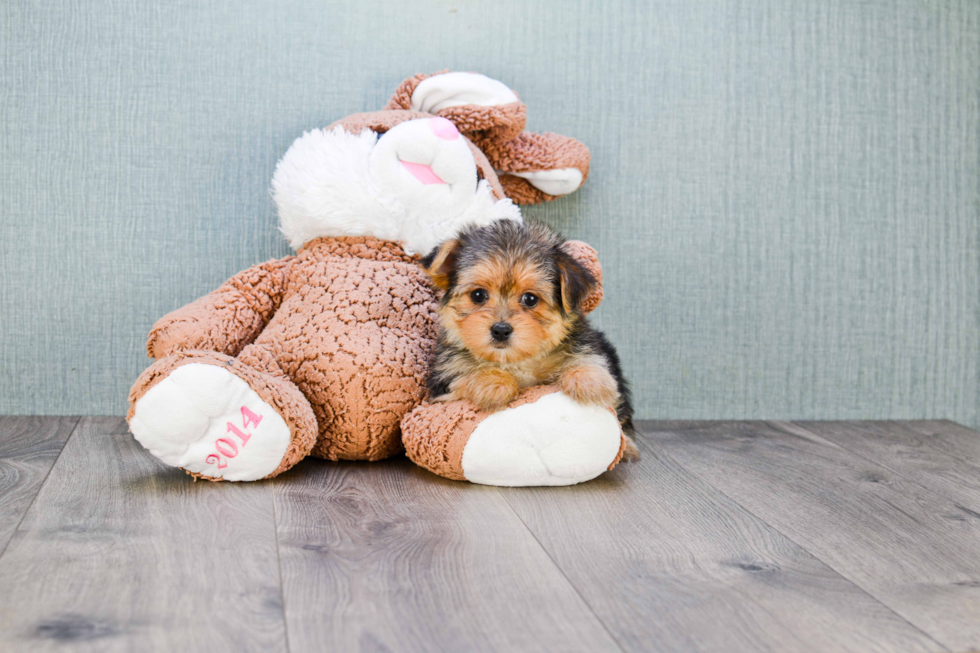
column 440, row 264
column 577, row 283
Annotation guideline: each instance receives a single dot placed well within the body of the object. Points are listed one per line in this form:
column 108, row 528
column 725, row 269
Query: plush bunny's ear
column 537, row 168
column 439, row 92
column 442, row 90
column 532, row 168
column 479, row 106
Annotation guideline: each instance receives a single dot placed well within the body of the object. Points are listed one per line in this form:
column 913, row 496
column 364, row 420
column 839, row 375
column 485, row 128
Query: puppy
column 511, row 317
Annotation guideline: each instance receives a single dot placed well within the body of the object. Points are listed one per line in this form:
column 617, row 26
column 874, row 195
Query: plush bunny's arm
column 227, row 319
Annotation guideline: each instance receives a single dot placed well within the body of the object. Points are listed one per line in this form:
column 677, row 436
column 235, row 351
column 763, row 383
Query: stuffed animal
column 326, row 351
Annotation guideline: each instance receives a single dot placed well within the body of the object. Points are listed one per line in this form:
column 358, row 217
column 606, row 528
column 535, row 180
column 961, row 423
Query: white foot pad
column 205, row 419
column 553, row 441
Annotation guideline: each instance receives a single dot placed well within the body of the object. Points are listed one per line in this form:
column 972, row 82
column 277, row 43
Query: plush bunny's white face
column 415, row 184
column 439, row 164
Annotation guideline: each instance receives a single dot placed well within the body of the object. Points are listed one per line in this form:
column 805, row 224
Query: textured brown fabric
column 353, row 328
column 586, row 255
column 619, row 454
column 531, row 152
column 355, row 332
column 402, row 97
column 522, row 192
column 435, row 434
column 228, row 318
column 272, row 387
column 502, row 122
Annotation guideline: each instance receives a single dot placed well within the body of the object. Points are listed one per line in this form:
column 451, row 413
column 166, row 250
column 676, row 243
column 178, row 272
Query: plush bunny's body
column 336, row 338
column 325, row 352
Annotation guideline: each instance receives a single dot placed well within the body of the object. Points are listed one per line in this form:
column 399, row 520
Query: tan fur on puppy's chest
column 537, row 371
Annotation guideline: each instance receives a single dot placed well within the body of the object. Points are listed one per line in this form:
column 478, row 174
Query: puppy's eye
column 479, row 296
column 529, row 300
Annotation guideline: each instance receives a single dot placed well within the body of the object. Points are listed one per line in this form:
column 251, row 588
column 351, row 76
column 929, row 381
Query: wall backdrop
column 785, row 194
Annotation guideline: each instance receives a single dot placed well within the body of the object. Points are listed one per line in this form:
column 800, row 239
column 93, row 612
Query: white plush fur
column 439, row 92
column 560, row 181
column 553, row 441
column 333, row 183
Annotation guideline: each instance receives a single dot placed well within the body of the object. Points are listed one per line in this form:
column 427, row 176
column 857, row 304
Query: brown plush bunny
column 325, row 351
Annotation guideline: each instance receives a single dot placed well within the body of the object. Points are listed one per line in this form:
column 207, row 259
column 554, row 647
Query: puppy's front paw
column 590, row 384
column 490, row 389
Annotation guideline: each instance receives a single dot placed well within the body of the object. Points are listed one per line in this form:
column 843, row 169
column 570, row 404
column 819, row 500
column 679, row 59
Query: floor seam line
column 282, row 586
column 561, row 571
column 867, row 593
column 40, row 487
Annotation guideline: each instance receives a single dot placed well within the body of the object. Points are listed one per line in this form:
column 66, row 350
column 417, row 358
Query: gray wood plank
column 913, row 550
column 670, row 564
column 955, row 439
column 387, row 557
column 119, row 553
column 28, row 448
column 921, row 457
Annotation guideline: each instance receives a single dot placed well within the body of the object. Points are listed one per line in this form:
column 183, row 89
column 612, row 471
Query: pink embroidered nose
column 444, row 129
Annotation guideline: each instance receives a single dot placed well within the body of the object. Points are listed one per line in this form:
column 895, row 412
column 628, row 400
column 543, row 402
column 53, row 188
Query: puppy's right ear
column 440, row 264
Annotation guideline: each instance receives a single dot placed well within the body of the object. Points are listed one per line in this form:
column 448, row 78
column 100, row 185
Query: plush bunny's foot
column 207, row 420
column 542, row 438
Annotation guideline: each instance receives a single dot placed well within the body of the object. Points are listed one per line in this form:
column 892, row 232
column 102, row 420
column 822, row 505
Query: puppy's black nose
column 501, row 331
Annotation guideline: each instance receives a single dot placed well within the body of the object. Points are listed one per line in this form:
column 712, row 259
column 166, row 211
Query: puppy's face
column 507, row 297
column 501, row 310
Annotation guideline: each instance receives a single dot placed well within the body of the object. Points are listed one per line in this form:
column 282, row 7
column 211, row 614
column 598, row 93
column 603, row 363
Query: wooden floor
column 727, row 536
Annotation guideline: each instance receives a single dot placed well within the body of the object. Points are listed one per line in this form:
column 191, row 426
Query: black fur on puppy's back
column 588, row 340
column 438, row 384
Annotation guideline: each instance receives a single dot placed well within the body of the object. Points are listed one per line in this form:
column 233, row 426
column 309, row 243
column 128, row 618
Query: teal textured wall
column 785, row 194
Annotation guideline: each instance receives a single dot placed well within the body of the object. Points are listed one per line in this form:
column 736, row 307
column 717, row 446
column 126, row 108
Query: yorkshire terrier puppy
column 511, row 317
